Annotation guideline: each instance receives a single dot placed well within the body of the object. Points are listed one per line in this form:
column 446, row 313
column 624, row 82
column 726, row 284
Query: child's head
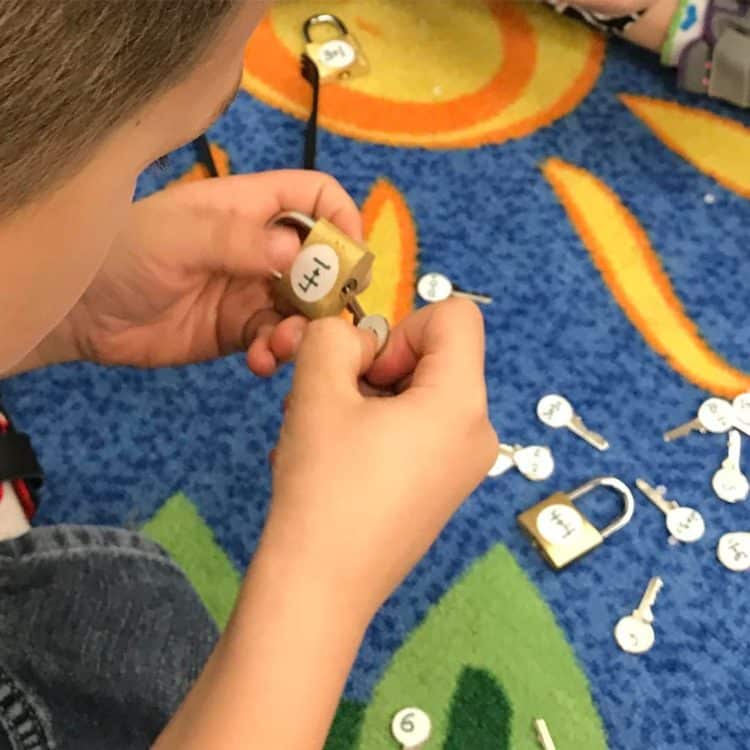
column 91, row 92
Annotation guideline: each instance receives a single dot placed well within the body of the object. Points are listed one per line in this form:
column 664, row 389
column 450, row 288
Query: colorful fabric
column 607, row 214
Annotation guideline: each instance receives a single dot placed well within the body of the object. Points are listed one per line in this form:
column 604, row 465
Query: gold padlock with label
column 329, row 272
column 335, row 51
column 562, row 533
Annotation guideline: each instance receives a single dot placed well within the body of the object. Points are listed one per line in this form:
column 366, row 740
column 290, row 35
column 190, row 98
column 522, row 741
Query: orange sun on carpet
column 391, row 235
column 525, row 68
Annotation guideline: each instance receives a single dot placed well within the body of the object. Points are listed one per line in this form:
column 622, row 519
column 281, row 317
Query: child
column 101, row 637
column 707, row 41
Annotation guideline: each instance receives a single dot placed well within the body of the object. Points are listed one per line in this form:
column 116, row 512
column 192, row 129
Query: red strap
column 22, row 491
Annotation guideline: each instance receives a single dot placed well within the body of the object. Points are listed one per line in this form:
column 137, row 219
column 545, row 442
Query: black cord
column 311, row 74
column 205, row 156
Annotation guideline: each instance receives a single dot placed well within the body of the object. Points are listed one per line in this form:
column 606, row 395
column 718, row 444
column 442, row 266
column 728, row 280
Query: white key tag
column 411, row 728
column 437, row 287
column 730, row 485
column 634, row 636
column 505, row 460
column 734, row 551
column 685, row 524
column 535, row 462
column 741, row 406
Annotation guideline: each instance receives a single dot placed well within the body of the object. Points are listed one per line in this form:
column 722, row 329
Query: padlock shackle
column 618, row 486
column 295, row 219
column 323, row 19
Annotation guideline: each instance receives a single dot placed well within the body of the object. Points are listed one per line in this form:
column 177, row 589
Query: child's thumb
column 332, row 357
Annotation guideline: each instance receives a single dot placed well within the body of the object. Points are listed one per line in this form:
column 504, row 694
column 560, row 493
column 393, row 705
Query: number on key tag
column 683, row 523
column 435, row 287
column 715, row 415
column 729, row 483
column 411, row 728
column 734, row 551
column 535, row 462
column 741, row 406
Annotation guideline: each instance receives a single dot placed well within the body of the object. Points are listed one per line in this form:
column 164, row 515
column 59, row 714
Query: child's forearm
column 275, row 678
column 650, row 30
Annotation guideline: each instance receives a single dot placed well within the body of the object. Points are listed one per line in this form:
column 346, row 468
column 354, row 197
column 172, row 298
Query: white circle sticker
column 559, row 524
column 535, row 462
column 734, row 551
column 337, row 54
column 315, row 272
column 716, row 415
column 554, row 410
column 730, row 485
column 634, row 636
column 411, row 727
column 685, row 524
column 378, row 325
column 434, row 287
column 741, row 406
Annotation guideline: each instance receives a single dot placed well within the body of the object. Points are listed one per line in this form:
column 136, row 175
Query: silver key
column 741, row 406
column 684, row 524
column 634, row 633
column 729, row 483
column 715, row 415
column 504, row 461
column 734, row 551
column 435, row 287
column 556, row 411
column 543, row 735
column 535, row 462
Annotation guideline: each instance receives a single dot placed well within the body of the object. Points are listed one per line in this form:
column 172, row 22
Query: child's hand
column 189, row 279
column 363, row 485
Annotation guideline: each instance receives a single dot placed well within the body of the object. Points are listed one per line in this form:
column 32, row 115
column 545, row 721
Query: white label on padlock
column 337, row 54
column 685, row 524
column 411, row 727
column 734, row 551
column 559, row 524
column 314, row 272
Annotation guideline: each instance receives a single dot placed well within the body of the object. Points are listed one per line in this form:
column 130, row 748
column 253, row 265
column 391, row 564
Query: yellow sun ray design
column 391, row 234
column 715, row 145
column 526, row 67
column 621, row 250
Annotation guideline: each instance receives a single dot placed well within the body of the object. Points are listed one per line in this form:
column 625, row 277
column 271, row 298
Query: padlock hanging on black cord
column 339, row 57
column 329, row 272
column 334, row 59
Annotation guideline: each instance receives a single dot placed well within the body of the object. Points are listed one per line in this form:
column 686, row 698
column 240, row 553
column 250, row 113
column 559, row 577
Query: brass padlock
column 562, row 533
column 338, row 56
column 329, row 272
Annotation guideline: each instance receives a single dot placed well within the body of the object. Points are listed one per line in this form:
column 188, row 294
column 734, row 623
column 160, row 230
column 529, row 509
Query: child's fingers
column 331, row 359
column 441, row 344
column 287, row 338
column 260, row 359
